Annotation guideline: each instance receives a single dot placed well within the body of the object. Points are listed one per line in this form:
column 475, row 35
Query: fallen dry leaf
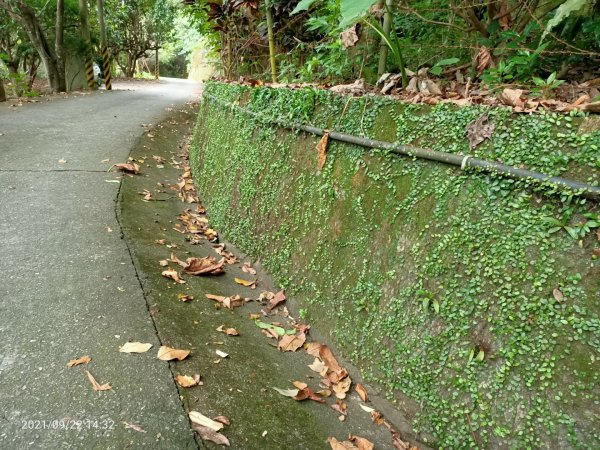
column 340, row 389
column 228, row 331
column 97, row 386
column 277, row 299
column 300, row 384
column 349, row 37
column 201, row 419
column 362, row 392
column 167, row 353
column 229, row 302
column 128, row 167
column 558, row 295
column 207, row 434
column 322, row 151
column 163, row 263
column 319, row 367
column 222, row 354
column 479, row 131
column 133, row 426
column 339, row 445
column 291, row 343
column 288, row 392
column 327, row 357
column 248, row 268
column 512, row 97
column 203, row 266
column 135, row 347
column 248, row 283
column 340, row 407
column 185, row 297
column 308, row 393
column 361, row 443
column 224, row 420
column 313, row 348
column 78, row 361
column 188, row 381
column 173, row 275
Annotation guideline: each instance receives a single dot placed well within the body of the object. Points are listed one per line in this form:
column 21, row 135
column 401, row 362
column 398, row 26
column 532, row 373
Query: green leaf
column 564, row 11
column 480, row 356
column 436, row 306
column 267, row 326
column 447, row 62
column 425, row 303
column 352, row 10
column 302, row 6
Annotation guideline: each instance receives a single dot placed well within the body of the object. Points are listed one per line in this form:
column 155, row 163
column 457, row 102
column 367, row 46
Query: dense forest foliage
column 531, row 43
column 526, row 42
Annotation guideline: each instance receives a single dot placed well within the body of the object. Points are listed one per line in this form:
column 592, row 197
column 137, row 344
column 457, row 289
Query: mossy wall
column 451, row 289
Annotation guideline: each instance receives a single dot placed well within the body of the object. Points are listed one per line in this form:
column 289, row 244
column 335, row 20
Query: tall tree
column 29, row 20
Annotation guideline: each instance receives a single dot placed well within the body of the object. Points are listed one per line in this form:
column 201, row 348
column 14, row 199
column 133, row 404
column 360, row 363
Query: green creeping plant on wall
column 437, row 283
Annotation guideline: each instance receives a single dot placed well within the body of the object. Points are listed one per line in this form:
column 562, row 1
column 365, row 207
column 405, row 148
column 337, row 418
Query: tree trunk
column 59, row 46
column 2, row 93
column 27, row 18
column 387, row 26
column 271, row 44
column 32, row 71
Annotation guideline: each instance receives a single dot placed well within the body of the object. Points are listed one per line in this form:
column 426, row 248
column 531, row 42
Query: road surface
column 69, row 287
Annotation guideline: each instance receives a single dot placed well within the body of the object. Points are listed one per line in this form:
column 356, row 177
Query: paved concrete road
column 68, row 286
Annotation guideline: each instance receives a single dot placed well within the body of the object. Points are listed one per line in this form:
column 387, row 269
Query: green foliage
column 565, row 10
column 369, row 245
column 352, row 10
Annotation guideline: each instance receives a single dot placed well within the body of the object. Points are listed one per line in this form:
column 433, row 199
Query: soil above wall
column 453, row 290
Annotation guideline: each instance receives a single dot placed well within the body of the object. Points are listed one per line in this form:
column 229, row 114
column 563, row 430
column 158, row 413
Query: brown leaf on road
column 361, row 443
column 248, row 268
column 133, row 426
column 340, row 407
column 327, row 357
column 173, row 275
column 300, row 384
column 288, row 392
column 163, row 263
column 322, row 151
column 167, row 353
column 398, row 443
column 248, row 283
column 224, row 420
column 339, row 445
column 228, row 331
column 208, row 434
column 308, row 393
column 277, row 299
column 342, row 387
column 229, row 257
column 97, row 386
column 128, row 167
column 479, row 131
column 187, row 381
column 229, row 302
column 135, row 347
column 362, row 392
column 78, row 361
column 185, row 297
column 204, row 266
column 291, row 343
column 200, row 419
column 313, row 348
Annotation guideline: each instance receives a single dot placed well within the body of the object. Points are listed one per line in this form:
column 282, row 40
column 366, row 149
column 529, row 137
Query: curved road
column 68, row 285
